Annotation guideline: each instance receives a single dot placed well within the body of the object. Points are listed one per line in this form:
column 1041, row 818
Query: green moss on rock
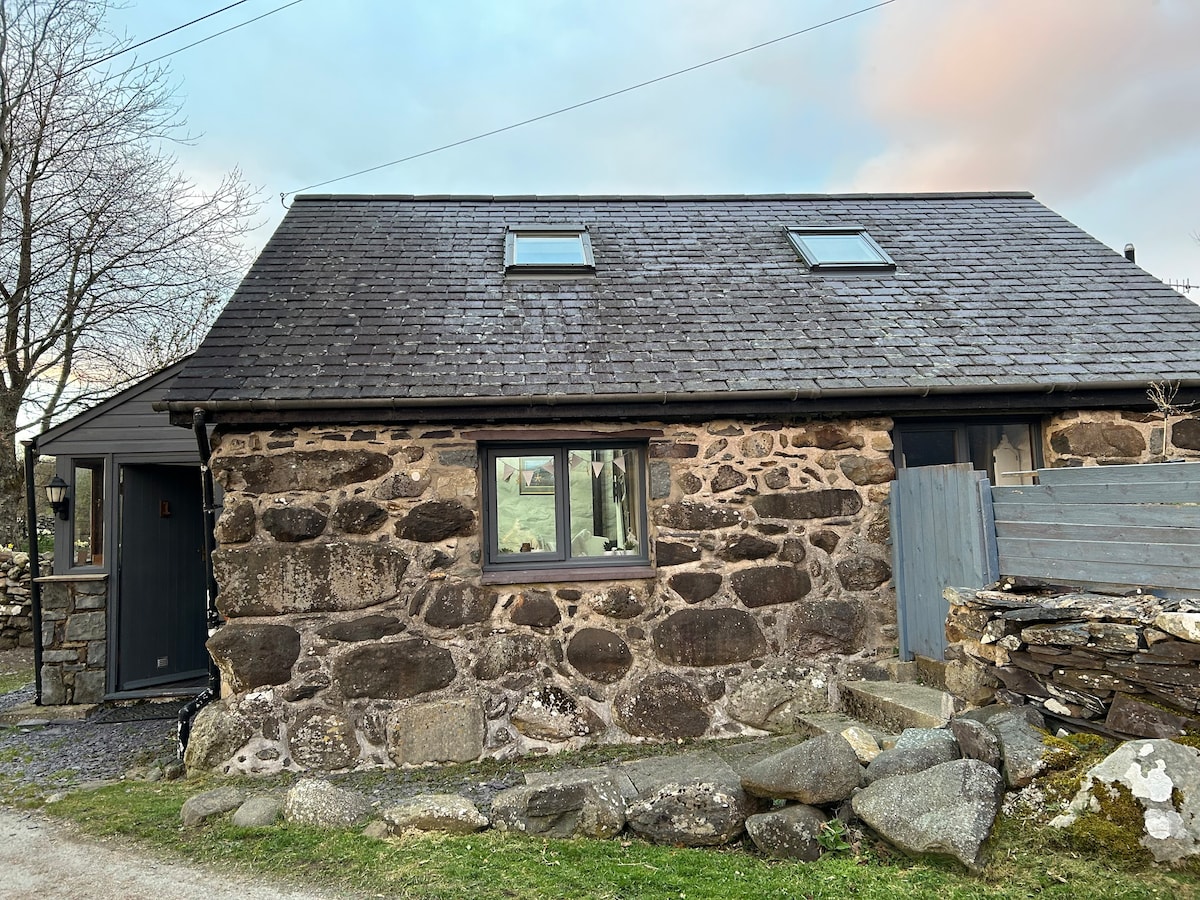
column 1060, row 753
column 1114, row 830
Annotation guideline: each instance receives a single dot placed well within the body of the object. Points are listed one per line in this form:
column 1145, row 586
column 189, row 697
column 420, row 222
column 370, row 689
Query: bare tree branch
column 112, row 263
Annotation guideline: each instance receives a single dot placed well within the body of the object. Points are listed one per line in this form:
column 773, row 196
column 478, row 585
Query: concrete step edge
column 896, row 705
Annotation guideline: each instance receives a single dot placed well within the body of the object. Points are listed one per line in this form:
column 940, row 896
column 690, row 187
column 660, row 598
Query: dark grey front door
column 160, row 599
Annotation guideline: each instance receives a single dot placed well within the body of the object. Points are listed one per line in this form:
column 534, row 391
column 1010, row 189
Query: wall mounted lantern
column 56, row 493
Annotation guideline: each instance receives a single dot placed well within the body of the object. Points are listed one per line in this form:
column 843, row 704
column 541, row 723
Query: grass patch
column 15, row 755
column 12, row 681
column 495, row 866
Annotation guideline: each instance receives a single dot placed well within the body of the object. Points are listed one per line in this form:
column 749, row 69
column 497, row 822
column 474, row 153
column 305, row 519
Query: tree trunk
column 12, row 478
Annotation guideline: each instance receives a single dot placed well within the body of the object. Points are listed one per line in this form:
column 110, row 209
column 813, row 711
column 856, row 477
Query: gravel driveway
column 56, row 755
column 40, row 859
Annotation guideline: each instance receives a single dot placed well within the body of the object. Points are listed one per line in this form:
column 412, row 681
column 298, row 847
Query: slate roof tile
column 406, row 297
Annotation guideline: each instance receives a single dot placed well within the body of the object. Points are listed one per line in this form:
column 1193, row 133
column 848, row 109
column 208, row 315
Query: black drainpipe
column 35, row 569
column 213, row 691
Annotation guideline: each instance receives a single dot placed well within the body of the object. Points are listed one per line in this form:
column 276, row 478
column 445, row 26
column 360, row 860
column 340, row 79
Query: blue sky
column 1090, row 104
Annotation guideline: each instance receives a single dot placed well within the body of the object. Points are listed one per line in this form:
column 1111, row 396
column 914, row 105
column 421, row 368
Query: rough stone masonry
column 359, row 632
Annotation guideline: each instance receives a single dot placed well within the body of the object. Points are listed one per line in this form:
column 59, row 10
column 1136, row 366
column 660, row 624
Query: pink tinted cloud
column 982, row 94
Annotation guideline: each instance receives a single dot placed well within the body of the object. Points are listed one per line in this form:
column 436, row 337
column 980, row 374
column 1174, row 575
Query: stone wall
column 1109, row 438
column 359, row 632
column 16, row 604
column 1128, row 664
column 74, row 646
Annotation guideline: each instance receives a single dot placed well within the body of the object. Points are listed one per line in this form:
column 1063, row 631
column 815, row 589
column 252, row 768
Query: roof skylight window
column 839, row 248
column 548, row 250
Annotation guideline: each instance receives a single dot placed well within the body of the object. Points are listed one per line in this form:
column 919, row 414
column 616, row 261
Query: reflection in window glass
column 564, row 504
column 1005, row 450
column 930, row 448
column 850, row 248
column 548, row 250
column 603, row 502
column 87, row 501
column 526, row 518
column 1012, row 454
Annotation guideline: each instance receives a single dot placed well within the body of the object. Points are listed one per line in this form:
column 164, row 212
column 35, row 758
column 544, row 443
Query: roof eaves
column 661, row 397
column 657, row 198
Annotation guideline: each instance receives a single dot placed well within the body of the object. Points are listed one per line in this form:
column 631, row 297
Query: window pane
column 846, row 249
column 605, row 518
column 525, row 515
column 1002, row 451
column 929, row 448
column 548, row 250
column 88, row 520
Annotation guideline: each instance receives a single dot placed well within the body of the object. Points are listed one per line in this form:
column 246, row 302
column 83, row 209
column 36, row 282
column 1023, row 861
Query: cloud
column 1062, row 94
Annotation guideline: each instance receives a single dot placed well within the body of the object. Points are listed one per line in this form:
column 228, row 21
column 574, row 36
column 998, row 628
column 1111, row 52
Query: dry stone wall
column 359, row 632
column 1127, row 663
column 16, row 605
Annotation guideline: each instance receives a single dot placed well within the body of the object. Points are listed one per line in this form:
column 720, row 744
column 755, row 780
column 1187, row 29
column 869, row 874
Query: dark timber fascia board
column 771, row 404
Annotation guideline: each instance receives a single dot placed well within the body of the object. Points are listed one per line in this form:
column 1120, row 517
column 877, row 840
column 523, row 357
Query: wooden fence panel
column 1130, row 515
column 1104, row 527
column 1172, row 471
column 941, row 536
column 1102, row 492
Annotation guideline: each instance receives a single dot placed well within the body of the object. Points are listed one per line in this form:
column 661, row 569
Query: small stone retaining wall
column 1131, row 664
column 359, row 632
column 74, row 638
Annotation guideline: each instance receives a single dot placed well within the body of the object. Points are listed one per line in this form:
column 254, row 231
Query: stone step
column 896, row 706
column 27, row 715
column 811, row 725
column 919, row 670
column 931, row 672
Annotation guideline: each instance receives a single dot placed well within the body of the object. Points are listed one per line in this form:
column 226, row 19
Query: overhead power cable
column 582, row 103
column 203, row 40
column 151, row 40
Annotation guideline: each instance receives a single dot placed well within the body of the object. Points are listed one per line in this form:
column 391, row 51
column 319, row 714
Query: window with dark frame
column 87, row 519
column 1009, row 450
column 562, row 505
column 548, row 250
column 839, row 248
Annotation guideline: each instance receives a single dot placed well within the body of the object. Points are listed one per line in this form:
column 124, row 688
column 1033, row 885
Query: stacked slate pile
column 1127, row 665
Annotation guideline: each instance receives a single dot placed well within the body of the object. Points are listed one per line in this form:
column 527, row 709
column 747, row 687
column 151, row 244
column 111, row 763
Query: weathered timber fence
column 1107, row 528
column 1104, row 527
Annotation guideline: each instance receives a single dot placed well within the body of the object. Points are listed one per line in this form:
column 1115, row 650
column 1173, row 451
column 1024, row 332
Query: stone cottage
column 512, row 474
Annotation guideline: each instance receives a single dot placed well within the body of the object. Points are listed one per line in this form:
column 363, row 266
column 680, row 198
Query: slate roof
column 404, row 301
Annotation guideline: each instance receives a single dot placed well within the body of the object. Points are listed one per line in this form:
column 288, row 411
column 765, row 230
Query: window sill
column 568, row 573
